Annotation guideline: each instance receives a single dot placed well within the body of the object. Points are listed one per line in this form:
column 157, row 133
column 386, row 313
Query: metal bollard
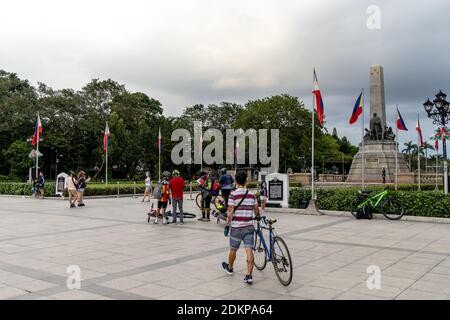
column 118, row 188
column 134, row 189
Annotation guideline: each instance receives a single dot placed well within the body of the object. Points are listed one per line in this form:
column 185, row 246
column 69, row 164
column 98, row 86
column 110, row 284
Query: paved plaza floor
column 122, row 257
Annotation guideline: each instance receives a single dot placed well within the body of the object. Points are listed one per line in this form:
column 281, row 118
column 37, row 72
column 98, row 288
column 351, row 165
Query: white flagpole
column 159, row 154
column 106, row 161
column 418, row 153
column 396, row 151
column 312, row 147
column 363, row 174
column 437, row 163
column 37, row 148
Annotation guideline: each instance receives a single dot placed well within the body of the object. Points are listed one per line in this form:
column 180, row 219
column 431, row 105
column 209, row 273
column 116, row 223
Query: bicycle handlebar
column 265, row 220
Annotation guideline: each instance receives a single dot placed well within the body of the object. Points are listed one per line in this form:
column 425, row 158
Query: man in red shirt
column 177, row 187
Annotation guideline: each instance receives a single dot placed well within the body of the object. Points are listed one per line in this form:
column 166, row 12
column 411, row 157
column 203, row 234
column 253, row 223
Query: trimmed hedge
column 415, row 203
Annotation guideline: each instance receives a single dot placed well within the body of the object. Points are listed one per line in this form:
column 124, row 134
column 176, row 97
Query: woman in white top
column 148, row 188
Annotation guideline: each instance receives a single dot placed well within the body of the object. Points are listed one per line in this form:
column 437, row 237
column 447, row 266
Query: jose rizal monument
column 380, row 149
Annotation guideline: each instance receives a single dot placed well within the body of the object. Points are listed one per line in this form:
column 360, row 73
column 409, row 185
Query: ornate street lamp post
column 438, row 111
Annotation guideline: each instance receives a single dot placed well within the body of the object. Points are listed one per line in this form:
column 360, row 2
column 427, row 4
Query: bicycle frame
column 375, row 200
column 263, row 241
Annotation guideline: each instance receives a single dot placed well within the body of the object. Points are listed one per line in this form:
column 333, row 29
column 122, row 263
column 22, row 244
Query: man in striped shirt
column 242, row 209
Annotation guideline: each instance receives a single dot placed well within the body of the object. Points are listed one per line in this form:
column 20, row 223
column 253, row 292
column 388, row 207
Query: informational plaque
column 276, row 190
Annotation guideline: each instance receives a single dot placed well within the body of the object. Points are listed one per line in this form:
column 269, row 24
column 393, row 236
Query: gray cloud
column 200, row 51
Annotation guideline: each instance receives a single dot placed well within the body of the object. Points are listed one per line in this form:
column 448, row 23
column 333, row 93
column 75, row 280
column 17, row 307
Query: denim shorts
column 245, row 234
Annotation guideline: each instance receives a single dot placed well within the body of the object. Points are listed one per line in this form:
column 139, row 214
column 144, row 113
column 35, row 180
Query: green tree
column 17, row 158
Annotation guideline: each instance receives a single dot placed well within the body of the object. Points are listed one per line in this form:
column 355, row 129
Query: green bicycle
column 389, row 206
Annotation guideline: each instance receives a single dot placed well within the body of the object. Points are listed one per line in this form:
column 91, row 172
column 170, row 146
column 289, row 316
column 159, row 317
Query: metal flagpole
column 37, row 146
column 396, row 151
column 363, row 164
column 418, row 153
column 437, row 164
column 159, row 154
column 106, row 162
column 312, row 148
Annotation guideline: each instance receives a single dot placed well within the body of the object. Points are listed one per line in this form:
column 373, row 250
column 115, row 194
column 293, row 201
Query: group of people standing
column 75, row 186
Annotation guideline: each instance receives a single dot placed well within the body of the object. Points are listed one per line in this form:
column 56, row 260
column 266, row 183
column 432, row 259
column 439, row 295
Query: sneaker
column 200, row 219
column 156, row 221
column 164, row 221
column 72, row 205
column 226, row 268
column 181, row 222
column 206, row 220
column 248, row 279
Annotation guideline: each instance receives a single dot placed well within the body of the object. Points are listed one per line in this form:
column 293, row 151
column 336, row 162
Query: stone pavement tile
column 116, row 258
column 316, row 293
column 152, row 291
column 213, row 289
column 396, row 282
column 10, row 278
column 412, row 294
column 343, row 284
column 432, row 286
column 179, row 282
column 122, row 283
column 184, row 295
column 35, row 285
column 385, row 291
column 248, row 293
column 149, row 276
column 10, row 292
column 401, row 273
column 437, row 278
column 356, row 296
column 441, row 270
column 413, row 266
column 288, row 297
column 75, row 295
column 421, row 260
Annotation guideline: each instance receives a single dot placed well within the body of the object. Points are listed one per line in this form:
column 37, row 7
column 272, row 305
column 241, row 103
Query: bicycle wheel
column 260, row 254
column 198, row 200
column 281, row 259
column 392, row 209
column 219, row 201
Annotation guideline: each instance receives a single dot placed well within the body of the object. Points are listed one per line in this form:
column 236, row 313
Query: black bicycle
column 277, row 251
column 152, row 214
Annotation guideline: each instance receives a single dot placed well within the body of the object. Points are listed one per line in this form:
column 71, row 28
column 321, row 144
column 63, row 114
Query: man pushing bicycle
column 242, row 210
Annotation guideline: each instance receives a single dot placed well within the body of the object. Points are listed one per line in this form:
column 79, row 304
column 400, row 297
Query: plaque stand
column 313, row 208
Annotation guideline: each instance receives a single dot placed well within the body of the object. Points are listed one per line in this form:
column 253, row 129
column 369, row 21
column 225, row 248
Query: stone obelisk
column 379, row 142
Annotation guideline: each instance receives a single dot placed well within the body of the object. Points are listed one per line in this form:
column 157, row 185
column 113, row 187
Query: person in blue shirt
column 41, row 185
column 226, row 184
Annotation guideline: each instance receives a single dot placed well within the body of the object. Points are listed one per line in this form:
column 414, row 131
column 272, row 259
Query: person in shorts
column 263, row 195
column 242, row 210
column 82, row 183
column 164, row 199
column 41, row 185
column 71, row 185
column 148, row 188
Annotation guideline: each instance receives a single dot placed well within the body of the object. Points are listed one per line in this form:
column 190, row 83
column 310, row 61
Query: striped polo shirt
column 243, row 216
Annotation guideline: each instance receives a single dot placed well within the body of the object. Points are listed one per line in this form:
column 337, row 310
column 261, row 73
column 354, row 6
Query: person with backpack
column 242, row 210
column 177, row 188
column 71, row 185
column 226, row 183
column 82, row 183
column 162, row 194
column 206, row 184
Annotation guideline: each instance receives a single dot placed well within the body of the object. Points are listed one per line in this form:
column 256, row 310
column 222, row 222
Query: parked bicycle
column 152, row 214
column 391, row 208
column 218, row 200
column 275, row 251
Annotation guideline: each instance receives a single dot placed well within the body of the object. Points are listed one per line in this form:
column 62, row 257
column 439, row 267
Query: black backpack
column 364, row 213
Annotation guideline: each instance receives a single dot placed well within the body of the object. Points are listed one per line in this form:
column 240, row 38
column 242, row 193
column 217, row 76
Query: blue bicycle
column 277, row 252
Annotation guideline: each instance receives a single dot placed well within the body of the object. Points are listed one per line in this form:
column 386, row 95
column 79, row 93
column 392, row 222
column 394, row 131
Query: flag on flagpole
column 436, row 145
column 419, row 132
column 400, row 123
column 319, row 102
column 106, row 138
column 357, row 110
column 37, row 131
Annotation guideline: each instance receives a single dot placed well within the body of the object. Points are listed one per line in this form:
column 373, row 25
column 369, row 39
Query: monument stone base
column 377, row 155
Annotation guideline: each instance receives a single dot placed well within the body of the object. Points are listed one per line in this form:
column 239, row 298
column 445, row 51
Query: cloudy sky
column 206, row 51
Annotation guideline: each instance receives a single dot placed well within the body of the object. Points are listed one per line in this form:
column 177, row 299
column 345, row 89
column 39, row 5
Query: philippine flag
column 106, row 138
column 357, row 110
column 400, row 123
column 419, row 132
column 319, row 101
column 37, row 131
